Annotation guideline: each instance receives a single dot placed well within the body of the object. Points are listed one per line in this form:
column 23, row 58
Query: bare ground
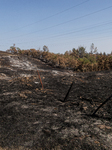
column 32, row 118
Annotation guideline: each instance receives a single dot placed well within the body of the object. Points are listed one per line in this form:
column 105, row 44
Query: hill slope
column 36, row 118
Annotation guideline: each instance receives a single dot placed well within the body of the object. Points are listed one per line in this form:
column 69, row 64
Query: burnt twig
column 68, row 92
column 102, row 105
column 40, row 78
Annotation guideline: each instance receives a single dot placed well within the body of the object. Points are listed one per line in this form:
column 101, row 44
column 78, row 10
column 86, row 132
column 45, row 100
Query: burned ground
column 33, row 118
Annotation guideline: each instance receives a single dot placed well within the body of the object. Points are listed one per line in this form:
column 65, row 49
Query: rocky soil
column 36, row 118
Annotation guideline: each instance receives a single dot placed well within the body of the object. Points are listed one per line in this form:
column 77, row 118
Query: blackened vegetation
column 102, row 105
column 33, row 118
column 65, row 99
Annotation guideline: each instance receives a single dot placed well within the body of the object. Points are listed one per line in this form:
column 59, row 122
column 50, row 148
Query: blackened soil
column 33, row 118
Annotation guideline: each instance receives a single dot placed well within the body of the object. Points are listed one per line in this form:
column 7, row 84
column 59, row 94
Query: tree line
column 76, row 59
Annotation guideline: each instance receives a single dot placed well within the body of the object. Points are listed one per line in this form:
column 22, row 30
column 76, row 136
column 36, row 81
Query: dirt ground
column 32, row 118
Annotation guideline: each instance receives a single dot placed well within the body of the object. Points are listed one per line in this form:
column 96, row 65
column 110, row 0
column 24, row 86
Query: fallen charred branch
column 68, row 92
column 101, row 105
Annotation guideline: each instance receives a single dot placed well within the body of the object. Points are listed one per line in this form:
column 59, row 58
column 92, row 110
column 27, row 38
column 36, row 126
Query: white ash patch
column 25, row 75
column 36, row 82
column 25, row 106
column 55, row 72
column 48, row 109
column 24, row 63
column 9, row 93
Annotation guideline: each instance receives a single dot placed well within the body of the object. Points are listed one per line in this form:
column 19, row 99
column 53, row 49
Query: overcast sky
column 59, row 24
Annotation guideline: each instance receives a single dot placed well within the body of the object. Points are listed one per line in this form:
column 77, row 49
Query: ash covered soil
column 32, row 118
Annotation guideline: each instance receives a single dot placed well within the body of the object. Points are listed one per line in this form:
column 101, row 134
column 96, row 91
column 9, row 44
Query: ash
column 32, row 118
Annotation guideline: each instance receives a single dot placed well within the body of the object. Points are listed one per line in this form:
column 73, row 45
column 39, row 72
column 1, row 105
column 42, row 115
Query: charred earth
column 36, row 118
